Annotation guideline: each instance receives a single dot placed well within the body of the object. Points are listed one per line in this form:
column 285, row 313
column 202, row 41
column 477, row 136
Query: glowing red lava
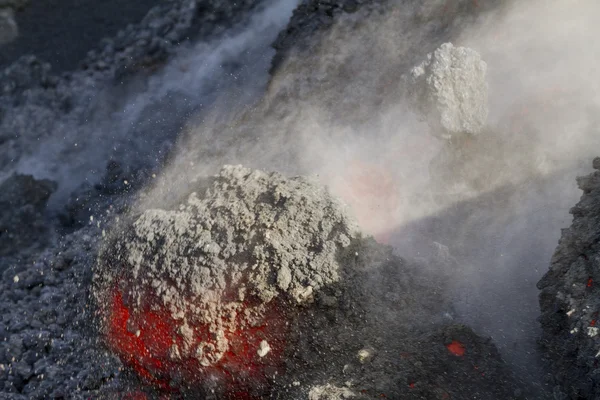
column 147, row 350
column 456, row 348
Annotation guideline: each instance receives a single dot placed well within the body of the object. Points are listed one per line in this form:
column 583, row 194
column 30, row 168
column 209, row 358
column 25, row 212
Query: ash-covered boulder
column 570, row 298
column 449, row 91
column 22, row 204
column 210, row 277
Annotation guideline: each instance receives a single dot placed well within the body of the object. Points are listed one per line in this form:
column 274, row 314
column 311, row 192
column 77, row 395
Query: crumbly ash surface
column 219, row 257
column 450, row 91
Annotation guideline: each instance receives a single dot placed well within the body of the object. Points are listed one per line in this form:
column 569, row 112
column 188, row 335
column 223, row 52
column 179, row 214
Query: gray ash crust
column 48, row 344
column 59, row 357
column 247, row 239
column 339, row 319
column 450, row 91
column 569, row 294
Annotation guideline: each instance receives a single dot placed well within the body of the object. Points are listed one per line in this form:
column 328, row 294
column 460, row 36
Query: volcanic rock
column 385, row 306
column 570, row 298
column 449, row 91
column 251, row 261
column 217, row 262
column 48, row 348
column 22, row 203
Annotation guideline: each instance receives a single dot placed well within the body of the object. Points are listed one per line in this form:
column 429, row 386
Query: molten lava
column 148, row 350
column 456, row 348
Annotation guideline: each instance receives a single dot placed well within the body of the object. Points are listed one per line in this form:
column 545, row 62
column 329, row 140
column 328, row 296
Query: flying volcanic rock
column 449, row 91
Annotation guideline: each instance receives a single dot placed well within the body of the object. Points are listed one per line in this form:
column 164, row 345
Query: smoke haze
column 347, row 125
column 335, row 111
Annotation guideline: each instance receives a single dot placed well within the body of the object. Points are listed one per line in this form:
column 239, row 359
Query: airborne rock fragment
column 449, row 91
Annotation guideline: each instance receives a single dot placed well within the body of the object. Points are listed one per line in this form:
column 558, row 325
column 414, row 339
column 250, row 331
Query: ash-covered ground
column 408, row 167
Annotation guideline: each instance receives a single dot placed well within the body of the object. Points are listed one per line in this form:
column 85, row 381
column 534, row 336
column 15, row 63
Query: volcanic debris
column 358, row 319
column 569, row 298
column 218, row 259
column 22, row 204
column 449, row 91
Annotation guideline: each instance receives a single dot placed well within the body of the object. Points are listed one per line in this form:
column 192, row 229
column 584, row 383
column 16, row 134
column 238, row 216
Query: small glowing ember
column 456, row 348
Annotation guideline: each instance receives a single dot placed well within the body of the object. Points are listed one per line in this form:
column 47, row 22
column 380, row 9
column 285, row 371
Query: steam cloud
column 343, row 126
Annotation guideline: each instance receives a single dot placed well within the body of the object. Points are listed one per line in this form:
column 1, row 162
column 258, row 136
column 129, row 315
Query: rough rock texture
column 386, row 331
column 22, row 204
column 450, row 92
column 332, row 40
column 217, row 259
column 48, row 345
column 373, row 325
column 569, row 298
column 361, row 321
column 48, row 349
column 283, row 232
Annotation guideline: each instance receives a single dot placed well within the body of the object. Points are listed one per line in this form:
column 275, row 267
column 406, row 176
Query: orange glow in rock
column 147, row 350
column 456, row 348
